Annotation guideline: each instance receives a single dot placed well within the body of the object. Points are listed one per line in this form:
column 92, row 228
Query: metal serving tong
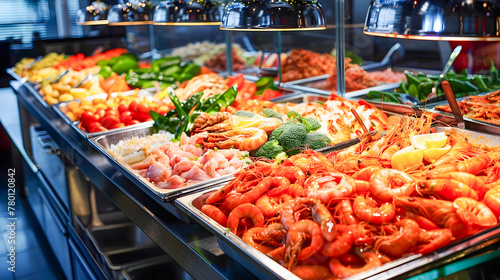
column 366, row 133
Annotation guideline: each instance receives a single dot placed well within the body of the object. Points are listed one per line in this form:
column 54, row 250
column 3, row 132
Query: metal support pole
column 229, row 52
column 279, row 58
column 340, row 45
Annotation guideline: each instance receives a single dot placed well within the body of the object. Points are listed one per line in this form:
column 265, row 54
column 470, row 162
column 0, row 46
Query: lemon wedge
column 243, row 122
column 78, row 92
column 407, row 157
column 432, row 154
column 425, row 141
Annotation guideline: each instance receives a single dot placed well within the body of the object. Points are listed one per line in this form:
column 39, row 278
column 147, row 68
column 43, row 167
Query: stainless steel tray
column 103, row 142
column 250, row 258
column 470, row 123
column 61, row 109
column 28, row 85
column 265, row 268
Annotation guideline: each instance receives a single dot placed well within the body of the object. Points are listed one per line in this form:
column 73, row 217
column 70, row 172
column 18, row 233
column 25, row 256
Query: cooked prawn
column 341, row 271
column 366, row 173
column 249, row 194
column 473, row 165
column 340, row 244
column 311, row 272
column 366, row 209
column 215, row 213
column 446, row 189
column 246, row 139
column 293, row 173
column 382, row 184
column 346, row 212
column 329, row 185
column 474, row 212
column 474, row 182
column 270, row 206
column 431, row 240
column 296, row 210
column 265, row 239
column 404, row 238
column 492, row 200
column 296, row 237
column 244, row 212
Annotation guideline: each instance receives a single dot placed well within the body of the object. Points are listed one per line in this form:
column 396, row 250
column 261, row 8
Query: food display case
column 117, row 224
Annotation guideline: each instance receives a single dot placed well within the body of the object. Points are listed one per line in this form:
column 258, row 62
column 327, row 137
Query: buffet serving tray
column 103, row 142
column 61, row 109
column 470, row 123
column 264, row 267
column 28, row 85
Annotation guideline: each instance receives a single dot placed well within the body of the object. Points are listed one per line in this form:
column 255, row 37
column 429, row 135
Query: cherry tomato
column 92, row 127
column 143, row 108
column 132, row 107
column 98, row 128
column 100, row 113
column 141, row 116
column 112, row 111
column 88, row 117
column 126, row 116
column 133, row 122
column 122, row 108
column 118, row 125
column 109, row 121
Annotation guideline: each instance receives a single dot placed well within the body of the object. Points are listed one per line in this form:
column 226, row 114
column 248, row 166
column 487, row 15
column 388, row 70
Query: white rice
column 136, row 149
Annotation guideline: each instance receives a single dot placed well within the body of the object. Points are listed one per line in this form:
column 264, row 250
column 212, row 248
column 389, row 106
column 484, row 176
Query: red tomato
column 109, row 121
column 98, row 128
column 88, row 117
column 118, row 125
column 133, row 122
column 270, row 94
column 126, row 116
column 132, row 107
column 238, row 80
column 122, row 108
column 100, row 113
column 141, row 116
column 249, row 88
column 143, row 108
column 92, row 126
column 112, row 111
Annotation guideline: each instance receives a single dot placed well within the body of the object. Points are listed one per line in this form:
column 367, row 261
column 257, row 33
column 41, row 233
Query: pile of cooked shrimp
column 349, row 211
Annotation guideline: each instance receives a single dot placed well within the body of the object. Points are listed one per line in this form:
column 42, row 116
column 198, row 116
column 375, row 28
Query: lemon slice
column 432, row 154
column 425, row 141
column 407, row 157
column 78, row 92
column 243, row 122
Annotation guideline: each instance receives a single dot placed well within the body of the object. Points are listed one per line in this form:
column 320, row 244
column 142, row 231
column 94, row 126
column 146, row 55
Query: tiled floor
column 34, row 258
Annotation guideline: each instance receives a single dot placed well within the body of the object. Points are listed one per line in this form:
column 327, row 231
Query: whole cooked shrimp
column 366, row 209
column 473, row 165
column 342, row 242
column 241, row 214
column 250, row 193
column 265, row 239
column 329, row 185
column 298, row 236
column 215, row 213
column 492, row 200
column 385, row 184
column 341, row 271
column 446, row 189
column 431, row 240
column 474, row 212
column 246, row 139
column 403, row 239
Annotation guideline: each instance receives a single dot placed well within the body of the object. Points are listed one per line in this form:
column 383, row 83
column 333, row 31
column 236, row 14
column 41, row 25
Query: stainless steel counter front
column 190, row 245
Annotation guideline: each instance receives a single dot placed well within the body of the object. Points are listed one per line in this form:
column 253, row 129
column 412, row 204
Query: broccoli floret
column 310, row 123
column 271, row 149
column 292, row 138
column 316, row 140
column 243, row 113
column 275, row 134
column 292, row 115
column 270, row 113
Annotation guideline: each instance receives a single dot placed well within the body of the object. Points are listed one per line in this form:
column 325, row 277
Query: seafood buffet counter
column 190, row 245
